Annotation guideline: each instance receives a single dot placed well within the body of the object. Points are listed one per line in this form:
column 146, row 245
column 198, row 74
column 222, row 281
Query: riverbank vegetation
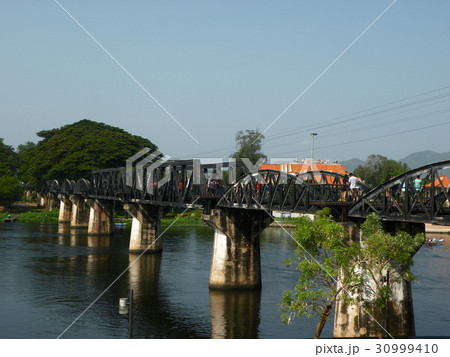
column 189, row 218
column 35, row 216
column 42, row 215
column 326, row 252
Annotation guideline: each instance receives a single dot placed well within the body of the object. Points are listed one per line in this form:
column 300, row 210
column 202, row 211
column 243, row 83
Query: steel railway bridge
column 188, row 184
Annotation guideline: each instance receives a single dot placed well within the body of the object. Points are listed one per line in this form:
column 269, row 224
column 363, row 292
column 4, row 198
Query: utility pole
column 312, row 149
column 126, row 308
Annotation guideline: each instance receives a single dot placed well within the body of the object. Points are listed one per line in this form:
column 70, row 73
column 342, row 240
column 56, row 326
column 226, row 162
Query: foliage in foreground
column 325, row 253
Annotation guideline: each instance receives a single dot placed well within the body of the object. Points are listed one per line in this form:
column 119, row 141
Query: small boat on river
column 9, row 219
column 433, row 241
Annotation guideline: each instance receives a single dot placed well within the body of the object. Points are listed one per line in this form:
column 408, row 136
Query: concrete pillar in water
column 65, row 209
column 396, row 319
column 236, row 257
column 52, row 201
column 80, row 212
column 145, row 228
column 42, row 199
column 101, row 216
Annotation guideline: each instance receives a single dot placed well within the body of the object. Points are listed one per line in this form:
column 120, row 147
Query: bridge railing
column 166, row 184
column 401, row 199
column 275, row 190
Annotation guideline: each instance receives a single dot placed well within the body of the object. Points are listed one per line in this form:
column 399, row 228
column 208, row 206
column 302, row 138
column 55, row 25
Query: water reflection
column 235, row 314
column 64, row 229
column 78, row 238
column 99, row 241
column 143, row 274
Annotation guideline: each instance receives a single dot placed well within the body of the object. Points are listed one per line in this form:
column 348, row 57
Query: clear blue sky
column 223, row 66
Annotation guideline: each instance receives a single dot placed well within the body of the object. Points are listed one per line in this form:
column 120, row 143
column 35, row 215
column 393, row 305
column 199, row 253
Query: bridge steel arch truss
column 399, row 200
column 172, row 183
column 279, row 191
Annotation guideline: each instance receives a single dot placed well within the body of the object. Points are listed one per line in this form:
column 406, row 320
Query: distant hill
column 352, row 164
column 422, row 158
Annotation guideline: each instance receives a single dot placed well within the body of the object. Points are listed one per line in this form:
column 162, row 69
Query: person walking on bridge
column 417, row 183
column 352, row 181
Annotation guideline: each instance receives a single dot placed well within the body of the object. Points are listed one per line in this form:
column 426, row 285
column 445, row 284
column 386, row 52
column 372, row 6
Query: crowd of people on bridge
column 214, row 187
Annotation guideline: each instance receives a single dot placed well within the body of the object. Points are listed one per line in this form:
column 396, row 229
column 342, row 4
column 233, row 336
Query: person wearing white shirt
column 353, row 189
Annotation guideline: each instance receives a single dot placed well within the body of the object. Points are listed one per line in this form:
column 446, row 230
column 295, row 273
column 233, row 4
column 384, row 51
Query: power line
column 367, row 139
column 377, row 125
column 337, row 121
column 325, row 124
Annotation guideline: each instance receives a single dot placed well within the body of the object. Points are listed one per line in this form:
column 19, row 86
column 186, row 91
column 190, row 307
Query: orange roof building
column 444, row 179
column 301, row 168
column 292, row 168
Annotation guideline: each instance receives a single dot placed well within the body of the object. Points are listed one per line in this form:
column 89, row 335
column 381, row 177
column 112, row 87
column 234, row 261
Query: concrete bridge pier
column 29, row 195
column 80, row 212
column 101, row 217
column 42, row 199
column 236, row 256
column 145, row 228
column 65, row 209
column 396, row 318
column 371, row 321
column 52, row 201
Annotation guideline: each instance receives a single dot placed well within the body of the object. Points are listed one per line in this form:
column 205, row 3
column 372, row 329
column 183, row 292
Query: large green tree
column 10, row 188
column 325, row 253
column 249, row 145
column 8, row 160
column 378, row 168
column 25, row 154
column 74, row 150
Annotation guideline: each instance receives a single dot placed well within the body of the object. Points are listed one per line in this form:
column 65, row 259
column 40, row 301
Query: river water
column 50, row 276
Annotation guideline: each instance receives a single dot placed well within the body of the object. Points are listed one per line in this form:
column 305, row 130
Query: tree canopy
column 25, row 154
column 10, row 190
column 10, row 187
column 325, row 253
column 8, row 160
column 378, row 168
column 74, row 150
column 248, row 145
